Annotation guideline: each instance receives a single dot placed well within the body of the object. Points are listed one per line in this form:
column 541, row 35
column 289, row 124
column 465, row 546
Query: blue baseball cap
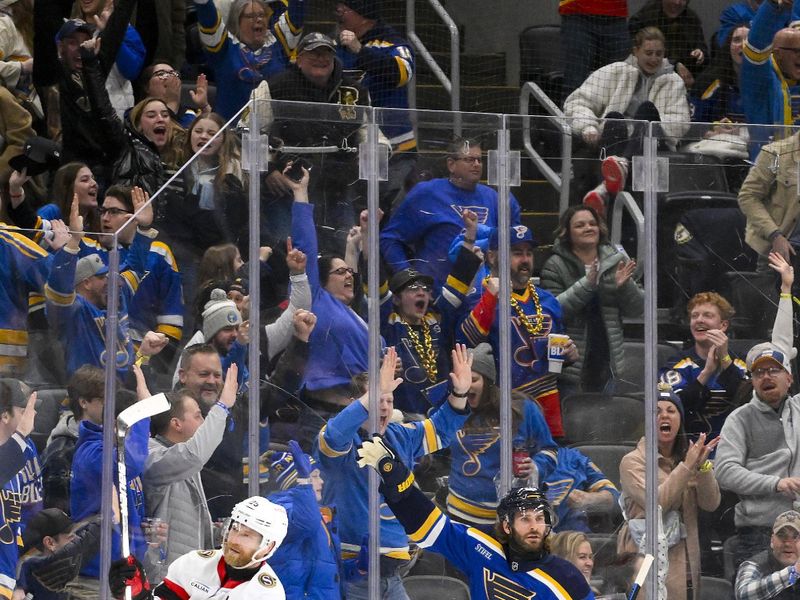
column 518, row 234
column 72, row 26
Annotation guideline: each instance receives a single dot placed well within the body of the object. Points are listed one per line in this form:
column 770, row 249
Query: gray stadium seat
column 713, row 588
column 434, row 587
column 595, row 418
column 607, row 457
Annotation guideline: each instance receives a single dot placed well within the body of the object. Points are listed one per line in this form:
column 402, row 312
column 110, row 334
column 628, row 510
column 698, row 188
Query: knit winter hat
column 483, row 361
column 282, row 470
column 219, row 313
column 366, row 8
column 665, row 393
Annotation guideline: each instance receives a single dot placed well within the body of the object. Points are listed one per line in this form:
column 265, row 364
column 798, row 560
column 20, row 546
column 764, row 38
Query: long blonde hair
column 566, row 544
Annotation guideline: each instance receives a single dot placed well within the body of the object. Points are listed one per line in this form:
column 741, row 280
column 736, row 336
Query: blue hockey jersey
column 427, row 221
column 346, row 484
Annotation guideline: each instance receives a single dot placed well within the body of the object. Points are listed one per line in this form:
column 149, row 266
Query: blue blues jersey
column 420, row 389
column 572, row 471
column 239, row 69
column 530, row 373
column 346, row 484
column 427, row 221
column 24, row 267
column 475, row 460
column 492, row 575
column 387, row 61
column 707, row 406
column 81, row 325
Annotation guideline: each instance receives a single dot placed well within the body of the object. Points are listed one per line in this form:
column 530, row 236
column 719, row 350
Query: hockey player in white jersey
column 236, row 571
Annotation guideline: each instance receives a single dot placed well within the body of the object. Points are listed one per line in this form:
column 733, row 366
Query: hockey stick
column 647, row 562
column 127, row 418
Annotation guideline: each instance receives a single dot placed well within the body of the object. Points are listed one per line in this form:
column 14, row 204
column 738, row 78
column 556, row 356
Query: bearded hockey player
column 515, row 564
column 237, row 571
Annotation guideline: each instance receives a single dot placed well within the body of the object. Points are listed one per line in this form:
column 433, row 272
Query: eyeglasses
column 771, row 371
column 473, row 160
column 785, row 536
column 113, row 212
column 795, row 51
column 165, row 74
column 342, row 271
column 418, row 286
column 254, row 16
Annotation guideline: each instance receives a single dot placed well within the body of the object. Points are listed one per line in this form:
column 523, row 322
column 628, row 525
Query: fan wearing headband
column 515, row 563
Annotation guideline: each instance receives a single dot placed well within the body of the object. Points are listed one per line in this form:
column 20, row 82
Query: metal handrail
column 555, row 116
column 452, row 85
column 625, row 202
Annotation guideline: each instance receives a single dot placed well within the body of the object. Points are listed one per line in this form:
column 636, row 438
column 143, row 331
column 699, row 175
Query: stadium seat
column 631, row 380
column 604, row 547
column 46, row 415
column 434, row 587
column 713, row 588
column 540, row 59
column 607, row 457
column 753, row 296
column 729, row 547
column 595, row 418
column 690, row 172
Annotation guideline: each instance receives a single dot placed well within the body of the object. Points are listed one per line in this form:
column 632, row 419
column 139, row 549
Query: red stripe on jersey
column 176, row 589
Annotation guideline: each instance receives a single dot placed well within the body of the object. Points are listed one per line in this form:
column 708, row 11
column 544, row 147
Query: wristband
column 469, row 240
column 141, row 359
column 726, row 361
column 786, row 296
column 223, row 407
column 706, row 466
column 457, row 395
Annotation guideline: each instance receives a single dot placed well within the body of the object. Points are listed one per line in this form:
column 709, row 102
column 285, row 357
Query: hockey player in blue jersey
column 515, row 563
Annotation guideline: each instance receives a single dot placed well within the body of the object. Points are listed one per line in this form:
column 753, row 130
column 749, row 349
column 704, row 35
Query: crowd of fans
column 113, row 103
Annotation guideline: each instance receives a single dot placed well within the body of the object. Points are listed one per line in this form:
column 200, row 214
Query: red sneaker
column 597, row 199
column 615, row 174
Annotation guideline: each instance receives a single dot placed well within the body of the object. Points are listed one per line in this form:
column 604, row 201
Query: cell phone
column 295, row 172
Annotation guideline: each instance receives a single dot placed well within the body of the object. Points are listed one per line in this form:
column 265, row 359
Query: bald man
column 765, row 99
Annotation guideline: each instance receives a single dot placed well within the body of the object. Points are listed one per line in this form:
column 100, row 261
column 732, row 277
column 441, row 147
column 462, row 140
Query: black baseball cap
column 403, row 278
column 50, row 521
column 39, row 155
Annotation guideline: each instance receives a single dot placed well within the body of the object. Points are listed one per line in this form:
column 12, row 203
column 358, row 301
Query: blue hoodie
column 86, row 491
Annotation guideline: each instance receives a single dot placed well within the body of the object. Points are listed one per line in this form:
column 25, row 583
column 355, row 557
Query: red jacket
column 608, row 8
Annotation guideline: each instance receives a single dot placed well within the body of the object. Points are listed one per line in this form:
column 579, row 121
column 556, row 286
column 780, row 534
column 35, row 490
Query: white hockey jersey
column 200, row 575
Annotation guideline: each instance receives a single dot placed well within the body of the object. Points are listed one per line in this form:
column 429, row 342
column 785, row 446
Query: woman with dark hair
column 340, row 340
column 593, row 282
column 686, row 483
column 715, row 98
column 643, row 87
column 475, row 452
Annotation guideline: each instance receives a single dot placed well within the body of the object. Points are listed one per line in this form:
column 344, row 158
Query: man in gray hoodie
column 757, row 457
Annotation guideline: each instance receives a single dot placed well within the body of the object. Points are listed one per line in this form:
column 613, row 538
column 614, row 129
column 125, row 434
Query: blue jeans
column 391, row 588
column 589, row 42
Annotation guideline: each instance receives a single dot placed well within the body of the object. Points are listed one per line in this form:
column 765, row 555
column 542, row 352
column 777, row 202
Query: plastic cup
column 556, row 347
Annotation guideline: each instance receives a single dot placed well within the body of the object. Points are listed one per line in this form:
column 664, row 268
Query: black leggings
column 615, row 138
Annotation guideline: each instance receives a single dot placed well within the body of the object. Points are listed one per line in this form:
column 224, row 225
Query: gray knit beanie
column 219, row 313
column 483, row 361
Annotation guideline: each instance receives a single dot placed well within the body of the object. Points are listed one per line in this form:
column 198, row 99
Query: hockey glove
column 396, row 477
column 129, row 572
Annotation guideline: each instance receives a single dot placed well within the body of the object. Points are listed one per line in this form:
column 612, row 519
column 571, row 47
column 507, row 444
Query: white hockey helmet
column 265, row 517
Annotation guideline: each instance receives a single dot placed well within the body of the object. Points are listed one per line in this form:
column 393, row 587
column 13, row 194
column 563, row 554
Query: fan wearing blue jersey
column 514, row 563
